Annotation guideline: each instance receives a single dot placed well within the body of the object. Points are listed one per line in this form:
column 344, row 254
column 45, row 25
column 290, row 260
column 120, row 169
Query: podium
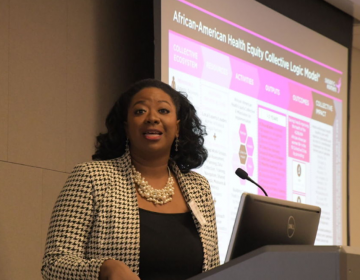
column 290, row 262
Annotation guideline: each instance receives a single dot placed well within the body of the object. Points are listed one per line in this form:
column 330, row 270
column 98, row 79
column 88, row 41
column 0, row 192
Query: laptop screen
column 262, row 221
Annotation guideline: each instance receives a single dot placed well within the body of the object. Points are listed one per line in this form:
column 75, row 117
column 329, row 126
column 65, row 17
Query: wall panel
column 37, row 83
column 4, row 65
column 354, row 154
column 82, row 81
column 20, row 226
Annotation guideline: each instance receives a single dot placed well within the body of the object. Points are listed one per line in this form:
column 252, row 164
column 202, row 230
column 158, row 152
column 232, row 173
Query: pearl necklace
column 155, row 196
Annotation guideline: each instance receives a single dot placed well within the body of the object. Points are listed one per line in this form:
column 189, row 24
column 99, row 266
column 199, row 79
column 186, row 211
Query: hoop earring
column 176, row 144
column 127, row 149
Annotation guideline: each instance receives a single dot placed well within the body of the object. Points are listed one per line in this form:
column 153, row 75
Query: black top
column 170, row 246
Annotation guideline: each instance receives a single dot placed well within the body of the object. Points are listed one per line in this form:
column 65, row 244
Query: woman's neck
column 150, row 166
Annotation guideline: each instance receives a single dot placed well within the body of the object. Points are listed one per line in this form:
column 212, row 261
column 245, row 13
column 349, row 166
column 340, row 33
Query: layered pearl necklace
column 155, row 196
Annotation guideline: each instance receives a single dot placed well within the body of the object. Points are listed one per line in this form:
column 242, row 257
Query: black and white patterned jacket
column 96, row 218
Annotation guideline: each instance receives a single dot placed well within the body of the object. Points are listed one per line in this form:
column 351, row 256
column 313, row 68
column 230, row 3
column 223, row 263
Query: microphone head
column 241, row 173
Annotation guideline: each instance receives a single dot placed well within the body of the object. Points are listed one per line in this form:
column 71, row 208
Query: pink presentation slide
column 278, row 130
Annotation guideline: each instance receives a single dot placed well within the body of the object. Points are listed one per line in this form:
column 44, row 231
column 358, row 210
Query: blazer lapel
column 123, row 218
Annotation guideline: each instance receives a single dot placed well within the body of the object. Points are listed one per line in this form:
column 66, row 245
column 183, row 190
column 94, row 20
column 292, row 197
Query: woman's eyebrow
column 164, row 101
column 139, row 102
column 144, row 101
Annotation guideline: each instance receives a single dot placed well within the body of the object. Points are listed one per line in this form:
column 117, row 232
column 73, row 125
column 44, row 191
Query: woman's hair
column 191, row 152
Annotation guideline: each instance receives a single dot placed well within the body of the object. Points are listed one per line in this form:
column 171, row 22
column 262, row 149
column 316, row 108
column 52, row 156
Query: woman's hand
column 116, row 270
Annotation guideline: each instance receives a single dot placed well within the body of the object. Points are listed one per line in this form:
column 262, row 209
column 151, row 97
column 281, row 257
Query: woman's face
column 151, row 124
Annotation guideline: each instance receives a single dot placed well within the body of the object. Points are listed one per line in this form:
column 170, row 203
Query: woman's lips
column 153, row 135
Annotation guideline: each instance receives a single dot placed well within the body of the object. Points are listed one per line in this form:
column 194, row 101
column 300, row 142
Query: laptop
column 262, row 221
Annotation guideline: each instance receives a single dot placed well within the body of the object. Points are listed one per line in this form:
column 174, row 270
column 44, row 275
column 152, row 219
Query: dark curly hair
column 192, row 152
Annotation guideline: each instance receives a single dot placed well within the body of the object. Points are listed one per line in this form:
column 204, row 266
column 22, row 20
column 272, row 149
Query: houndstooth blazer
column 96, row 218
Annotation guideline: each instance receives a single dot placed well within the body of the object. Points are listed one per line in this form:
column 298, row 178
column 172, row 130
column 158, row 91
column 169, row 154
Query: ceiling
column 351, row 7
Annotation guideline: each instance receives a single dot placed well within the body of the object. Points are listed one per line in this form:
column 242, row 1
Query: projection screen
column 273, row 97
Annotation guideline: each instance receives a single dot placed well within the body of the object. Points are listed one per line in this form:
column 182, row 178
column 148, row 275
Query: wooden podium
column 291, row 262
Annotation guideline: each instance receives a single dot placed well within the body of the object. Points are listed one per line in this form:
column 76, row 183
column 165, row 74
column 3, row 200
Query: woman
column 138, row 211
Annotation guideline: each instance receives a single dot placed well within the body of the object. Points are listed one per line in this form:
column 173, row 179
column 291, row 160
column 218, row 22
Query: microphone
column 243, row 175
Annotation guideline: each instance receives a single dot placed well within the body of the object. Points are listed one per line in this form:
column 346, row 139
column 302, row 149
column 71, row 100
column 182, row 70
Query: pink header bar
column 237, row 68
column 185, row 55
